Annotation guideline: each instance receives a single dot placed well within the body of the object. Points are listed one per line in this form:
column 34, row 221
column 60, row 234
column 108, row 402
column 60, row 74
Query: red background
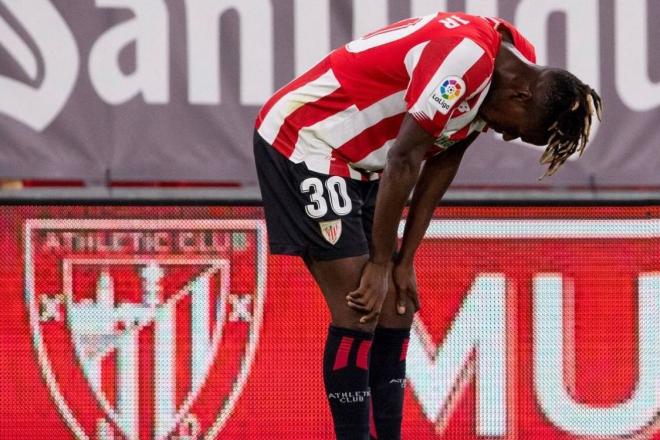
column 284, row 397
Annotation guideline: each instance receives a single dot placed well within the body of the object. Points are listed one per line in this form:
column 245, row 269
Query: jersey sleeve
column 443, row 74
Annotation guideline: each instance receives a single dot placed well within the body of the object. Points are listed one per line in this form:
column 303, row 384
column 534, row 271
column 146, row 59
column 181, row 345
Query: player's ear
column 522, row 94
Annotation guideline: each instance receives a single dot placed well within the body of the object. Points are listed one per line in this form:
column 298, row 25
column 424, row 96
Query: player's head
column 543, row 106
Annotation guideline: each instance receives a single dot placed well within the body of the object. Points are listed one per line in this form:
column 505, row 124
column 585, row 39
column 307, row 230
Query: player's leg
column 347, row 347
column 387, row 366
column 303, row 221
column 387, row 375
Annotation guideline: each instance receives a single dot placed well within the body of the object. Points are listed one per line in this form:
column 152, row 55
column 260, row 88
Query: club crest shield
column 331, row 231
column 145, row 329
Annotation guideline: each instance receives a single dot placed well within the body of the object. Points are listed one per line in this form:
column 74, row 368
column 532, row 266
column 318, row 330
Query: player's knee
column 353, row 322
column 369, row 327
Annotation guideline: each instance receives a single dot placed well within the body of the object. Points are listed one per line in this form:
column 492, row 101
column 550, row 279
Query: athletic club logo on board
column 145, row 329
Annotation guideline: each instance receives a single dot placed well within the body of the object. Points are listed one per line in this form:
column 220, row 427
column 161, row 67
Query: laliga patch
column 447, row 94
column 331, row 231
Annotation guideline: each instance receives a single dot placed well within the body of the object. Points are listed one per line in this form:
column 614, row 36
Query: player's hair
column 568, row 106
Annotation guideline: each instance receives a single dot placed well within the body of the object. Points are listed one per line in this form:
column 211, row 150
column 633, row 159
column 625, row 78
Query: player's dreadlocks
column 569, row 107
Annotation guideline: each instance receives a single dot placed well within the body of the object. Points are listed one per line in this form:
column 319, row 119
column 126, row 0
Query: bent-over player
column 339, row 150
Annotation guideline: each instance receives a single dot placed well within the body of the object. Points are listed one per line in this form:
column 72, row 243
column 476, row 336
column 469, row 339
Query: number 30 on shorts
column 340, row 202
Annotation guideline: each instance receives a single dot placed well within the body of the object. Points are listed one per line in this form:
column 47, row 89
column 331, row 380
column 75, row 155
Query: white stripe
column 341, row 127
column 329, row 131
column 165, row 368
column 413, row 56
column 376, row 160
column 315, row 143
column 458, row 62
column 319, row 163
column 355, row 174
column 321, row 87
column 540, row 229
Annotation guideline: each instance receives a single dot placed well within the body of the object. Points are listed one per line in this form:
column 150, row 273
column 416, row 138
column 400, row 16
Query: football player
column 340, row 149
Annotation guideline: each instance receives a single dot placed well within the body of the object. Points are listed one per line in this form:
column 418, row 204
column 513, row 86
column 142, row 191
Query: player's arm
column 436, row 88
column 399, row 176
column 438, row 173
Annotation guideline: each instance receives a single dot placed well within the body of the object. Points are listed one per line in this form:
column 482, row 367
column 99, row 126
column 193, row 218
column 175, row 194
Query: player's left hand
column 405, row 283
column 369, row 296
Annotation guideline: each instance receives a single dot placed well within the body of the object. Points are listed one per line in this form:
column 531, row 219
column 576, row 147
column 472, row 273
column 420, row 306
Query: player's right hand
column 369, row 297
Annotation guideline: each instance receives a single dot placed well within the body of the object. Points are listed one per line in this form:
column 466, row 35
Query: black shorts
column 311, row 214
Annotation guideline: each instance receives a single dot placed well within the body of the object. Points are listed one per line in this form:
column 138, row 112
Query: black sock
column 346, row 377
column 387, row 379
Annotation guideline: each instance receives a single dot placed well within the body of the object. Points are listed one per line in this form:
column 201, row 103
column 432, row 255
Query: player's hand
column 405, row 283
column 369, row 297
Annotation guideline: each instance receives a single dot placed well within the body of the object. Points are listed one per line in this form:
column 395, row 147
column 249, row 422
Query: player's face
column 526, row 134
column 515, row 122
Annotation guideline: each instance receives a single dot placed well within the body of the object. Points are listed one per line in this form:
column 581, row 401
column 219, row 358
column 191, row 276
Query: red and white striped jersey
column 343, row 115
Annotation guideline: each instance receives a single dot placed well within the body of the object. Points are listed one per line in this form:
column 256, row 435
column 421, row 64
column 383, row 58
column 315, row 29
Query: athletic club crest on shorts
column 331, row 231
column 145, row 329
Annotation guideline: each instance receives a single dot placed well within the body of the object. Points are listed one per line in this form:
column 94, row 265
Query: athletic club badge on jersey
column 447, row 94
column 331, row 231
column 145, row 329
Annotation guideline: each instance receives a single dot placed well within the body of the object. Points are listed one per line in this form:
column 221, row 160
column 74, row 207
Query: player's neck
column 512, row 67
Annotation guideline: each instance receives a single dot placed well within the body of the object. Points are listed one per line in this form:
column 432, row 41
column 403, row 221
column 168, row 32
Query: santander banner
column 153, row 90
column 536, row 323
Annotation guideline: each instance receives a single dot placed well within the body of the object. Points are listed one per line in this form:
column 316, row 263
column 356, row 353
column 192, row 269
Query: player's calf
column 346, row 377
column 387, row 380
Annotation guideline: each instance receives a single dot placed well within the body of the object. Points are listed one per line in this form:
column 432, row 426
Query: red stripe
column 372, row 423
column 307, row 115
column 311, row 75
column 183, row 332
column 370, row 139
column 338, row 167
column 362, row 360
column 432, row 58
column 341, row 358
column 109, row 377
column 404, row 350
column 477, row 74
column 146, row 391
column 461, row 134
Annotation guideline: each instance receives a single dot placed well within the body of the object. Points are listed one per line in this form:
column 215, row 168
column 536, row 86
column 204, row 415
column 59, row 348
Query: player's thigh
column 338, row 246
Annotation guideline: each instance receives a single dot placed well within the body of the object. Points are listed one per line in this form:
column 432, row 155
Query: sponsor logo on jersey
column 145, row 329
column 331, row 231
column 449, row 92
column 444, row 142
